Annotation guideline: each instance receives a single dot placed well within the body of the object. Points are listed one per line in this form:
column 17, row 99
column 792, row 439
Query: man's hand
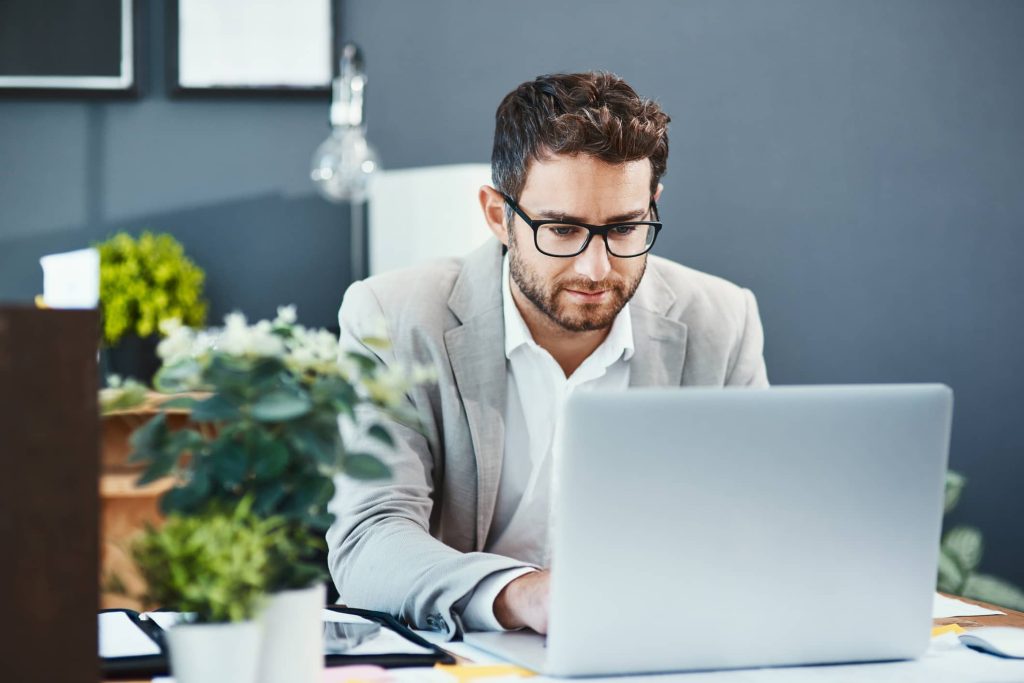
column 524, row 602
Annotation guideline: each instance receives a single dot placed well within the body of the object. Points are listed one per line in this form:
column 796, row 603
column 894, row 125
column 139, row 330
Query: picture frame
column 235, row 47
column 69, row 48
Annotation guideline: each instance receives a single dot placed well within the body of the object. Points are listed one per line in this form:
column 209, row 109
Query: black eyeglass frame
column 592, row 230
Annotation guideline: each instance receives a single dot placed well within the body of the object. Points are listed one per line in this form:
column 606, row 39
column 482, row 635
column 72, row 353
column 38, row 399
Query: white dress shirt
column 536, row 394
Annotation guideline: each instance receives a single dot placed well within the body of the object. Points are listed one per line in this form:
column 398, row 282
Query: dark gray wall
column 859, row 165
column 229, row 177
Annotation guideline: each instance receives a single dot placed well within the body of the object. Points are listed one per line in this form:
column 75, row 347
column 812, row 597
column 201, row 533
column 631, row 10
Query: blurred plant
column 214, row 565
column 121, row 394
column 146, row 281
column 269, row 429
column 960, row 555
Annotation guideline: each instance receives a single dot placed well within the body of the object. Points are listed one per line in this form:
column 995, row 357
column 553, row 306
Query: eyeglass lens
column 624, row 240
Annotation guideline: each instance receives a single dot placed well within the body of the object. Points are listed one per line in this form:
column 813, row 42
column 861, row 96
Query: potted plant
column 960, row 556
column 268, row 430
column 214, row 568
column 143, row 282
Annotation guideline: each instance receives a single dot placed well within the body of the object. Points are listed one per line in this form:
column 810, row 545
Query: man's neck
column 569, row 349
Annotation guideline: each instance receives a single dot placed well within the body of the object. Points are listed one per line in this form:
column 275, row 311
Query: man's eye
column 623, row 230
column 565, row 230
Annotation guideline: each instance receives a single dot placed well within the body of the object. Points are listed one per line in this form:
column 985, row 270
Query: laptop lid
column 726, row 528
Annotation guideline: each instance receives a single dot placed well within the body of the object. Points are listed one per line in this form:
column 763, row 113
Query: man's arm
column 380, row 551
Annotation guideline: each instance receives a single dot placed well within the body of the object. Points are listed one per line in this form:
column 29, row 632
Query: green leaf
column 308, row 499
column 954, row 487
column 364, row 466
column 184, row 441
column 321, row 522
column 229, row 463
column 951, row 576
column 182, row 376
column 189, row 498
column 311, row 443
column 267, row 369
column 995, row 590
column 377, row 343
column 964, row 545
column 281, row 406
column 182, row 402
column 381, row 434
column 149, row 439
column 268, row 496
column 271, row 460
column 159, row 468
column 217, row 408
column 367, row 364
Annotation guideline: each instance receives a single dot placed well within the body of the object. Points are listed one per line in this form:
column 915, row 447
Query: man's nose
column 594, row 263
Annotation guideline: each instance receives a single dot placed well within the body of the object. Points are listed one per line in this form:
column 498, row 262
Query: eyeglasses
column 563, row 239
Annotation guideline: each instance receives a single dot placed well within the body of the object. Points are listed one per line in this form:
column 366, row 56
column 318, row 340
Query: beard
column 585, row 317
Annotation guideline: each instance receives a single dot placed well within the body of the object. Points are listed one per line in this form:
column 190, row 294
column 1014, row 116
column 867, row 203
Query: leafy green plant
column 146, row 281
column 269, row 428
column 215, row 565
column 960, row 555
column 121, row 394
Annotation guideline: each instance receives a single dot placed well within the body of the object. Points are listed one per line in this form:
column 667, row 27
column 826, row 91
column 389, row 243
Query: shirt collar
column 618, row 343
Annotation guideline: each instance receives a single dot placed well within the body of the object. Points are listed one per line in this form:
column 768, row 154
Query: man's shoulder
column 413, row 295
column 432, row 281
column 694, row 289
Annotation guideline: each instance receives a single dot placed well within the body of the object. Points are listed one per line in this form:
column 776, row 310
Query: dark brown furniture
column 49, row 503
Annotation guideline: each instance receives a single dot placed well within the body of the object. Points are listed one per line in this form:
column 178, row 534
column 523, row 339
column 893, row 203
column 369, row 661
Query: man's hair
column 593, row 113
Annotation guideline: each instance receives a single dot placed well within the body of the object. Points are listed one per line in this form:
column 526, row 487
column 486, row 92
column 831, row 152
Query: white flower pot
column 215, row 653
column 293, row 636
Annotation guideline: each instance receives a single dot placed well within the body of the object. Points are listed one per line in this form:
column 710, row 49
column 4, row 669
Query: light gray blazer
column 412, row 545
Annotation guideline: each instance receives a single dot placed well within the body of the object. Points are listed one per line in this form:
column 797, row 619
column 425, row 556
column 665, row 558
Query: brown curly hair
column 593, row 113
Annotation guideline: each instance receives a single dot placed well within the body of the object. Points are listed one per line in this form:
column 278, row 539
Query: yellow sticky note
column 464, row 673
column 948, row 628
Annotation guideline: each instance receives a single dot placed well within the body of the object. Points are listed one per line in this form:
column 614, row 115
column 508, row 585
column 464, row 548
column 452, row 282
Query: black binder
column 158, row 665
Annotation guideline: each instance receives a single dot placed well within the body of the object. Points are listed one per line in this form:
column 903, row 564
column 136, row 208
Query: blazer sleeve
column 381, row 554
column 748, row 366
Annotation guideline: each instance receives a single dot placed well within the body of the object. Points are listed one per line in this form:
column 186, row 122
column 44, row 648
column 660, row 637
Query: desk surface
column 1011, row 618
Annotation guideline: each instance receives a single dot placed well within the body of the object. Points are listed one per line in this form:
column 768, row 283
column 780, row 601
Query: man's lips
column 587, row 296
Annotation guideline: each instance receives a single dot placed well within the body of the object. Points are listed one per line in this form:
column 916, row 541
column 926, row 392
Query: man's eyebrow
column 552, row 215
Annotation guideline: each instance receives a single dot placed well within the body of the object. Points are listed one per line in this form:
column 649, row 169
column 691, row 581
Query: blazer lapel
column 476, row 350
column 659, row 341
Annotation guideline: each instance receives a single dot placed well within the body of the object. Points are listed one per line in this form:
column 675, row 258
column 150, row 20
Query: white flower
column 240, row 339
column 286, row 315
column 179, row 343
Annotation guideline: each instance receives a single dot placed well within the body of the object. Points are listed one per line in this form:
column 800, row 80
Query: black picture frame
column 178, row 89
column 70, row 48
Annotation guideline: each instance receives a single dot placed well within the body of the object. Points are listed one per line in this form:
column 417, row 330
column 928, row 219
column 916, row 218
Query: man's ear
column 493, row 206
column 657, row 193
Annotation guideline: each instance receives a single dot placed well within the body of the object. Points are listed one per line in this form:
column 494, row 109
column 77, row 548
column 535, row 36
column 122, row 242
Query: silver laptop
column 698, row 529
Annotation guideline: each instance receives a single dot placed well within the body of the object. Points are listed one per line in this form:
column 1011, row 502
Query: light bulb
column 344, row 163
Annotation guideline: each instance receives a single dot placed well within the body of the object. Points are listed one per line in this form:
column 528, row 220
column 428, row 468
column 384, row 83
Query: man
column 566, row 299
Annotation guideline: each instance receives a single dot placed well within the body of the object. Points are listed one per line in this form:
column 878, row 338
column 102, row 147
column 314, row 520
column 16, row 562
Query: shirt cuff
column 479, row 612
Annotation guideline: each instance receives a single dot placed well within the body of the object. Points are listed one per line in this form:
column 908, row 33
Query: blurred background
column 858, row 165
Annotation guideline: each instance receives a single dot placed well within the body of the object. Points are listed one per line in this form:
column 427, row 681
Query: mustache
column 589, row 287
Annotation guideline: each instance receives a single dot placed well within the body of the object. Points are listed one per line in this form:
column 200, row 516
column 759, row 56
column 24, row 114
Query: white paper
column 343, row 618
column 944, row 608
column 120, row 637
column 254, row 43
column 421, row 214
column 71, row 279
column 388, row 642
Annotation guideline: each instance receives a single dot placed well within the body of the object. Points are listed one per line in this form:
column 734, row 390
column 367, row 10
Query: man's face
column 583, row 292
